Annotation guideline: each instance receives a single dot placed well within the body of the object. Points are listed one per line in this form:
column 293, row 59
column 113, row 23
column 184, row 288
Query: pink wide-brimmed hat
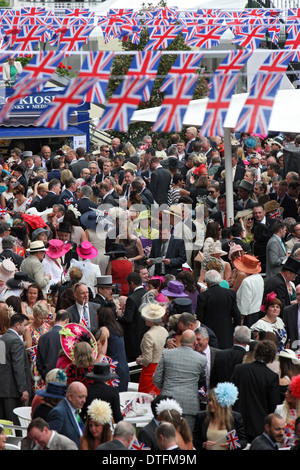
column 57, row 248
column 74, row 333
column 86, row 250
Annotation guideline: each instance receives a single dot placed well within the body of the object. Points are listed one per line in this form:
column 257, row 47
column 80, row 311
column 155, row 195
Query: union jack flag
column 234, row 61
column 221, row 91
column 57, row 114
column 32, row 353
column 121, row 12
column 209, row 13
column 25, row 88
column 79, row 12
column 61, row 26
column 175, row 103
column 128, row 406
column 206, row 36
column 293, row 39
column 185, row 64
column 36, row 15
column 250, row 37
column 75, row 37
column 160, row 37
column 256, row 113
column 233, row 440
column 3, row 211
column 41, row 66
column 68, row 202
column 145, row 63
column 29, row 37
column 137, row 445
column 11, row 25
column 166, row 12
column 97, row 64
column 123, row 103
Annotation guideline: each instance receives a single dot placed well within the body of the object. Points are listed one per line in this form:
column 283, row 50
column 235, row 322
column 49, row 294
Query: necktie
column 225, row 220
column 79, row 420
column 85, row 316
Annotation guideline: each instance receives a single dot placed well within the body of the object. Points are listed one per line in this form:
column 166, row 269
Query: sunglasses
column 250, row 218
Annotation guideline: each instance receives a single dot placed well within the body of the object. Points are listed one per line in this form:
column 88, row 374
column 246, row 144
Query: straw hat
column 7, row 270
column 153, row 312
column 37, row 246
column 213, row 248
column 248, row 264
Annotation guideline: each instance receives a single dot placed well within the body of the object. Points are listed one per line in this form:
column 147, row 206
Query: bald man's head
column 188, row 338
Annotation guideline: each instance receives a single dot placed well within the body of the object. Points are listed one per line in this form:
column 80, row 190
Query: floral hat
column 74, row 333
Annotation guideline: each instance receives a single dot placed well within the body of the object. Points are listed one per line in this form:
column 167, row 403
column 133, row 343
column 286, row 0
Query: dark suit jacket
column 210, row 303
column 160, row 184
column 106, row 393
column 85, row 204
column 147, row 435
column 115, row 444
column 201, row 426
column 276, row 283
column 8, row 254
column 109, row 201
column 290, row 319
column 77, row 167
column 133, row 324
column 259, row 394
column 48, row 349
column 66, row 195
column 289, row 205
column 61, row 420
column 147, row 197
column 176, row 253
column 261, row 443
column 48, row 201
column 75, row 316
column 224, row 364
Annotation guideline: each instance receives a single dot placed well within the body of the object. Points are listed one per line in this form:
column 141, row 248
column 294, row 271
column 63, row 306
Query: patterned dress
column 36, row 381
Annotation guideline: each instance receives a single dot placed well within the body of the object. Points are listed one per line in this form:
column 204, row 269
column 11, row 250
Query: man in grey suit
column 178, row 373
column 44, row 438
column 275, row 250
column 124, row 434
column 274, row 431
column 15, row 376
column 83, row 311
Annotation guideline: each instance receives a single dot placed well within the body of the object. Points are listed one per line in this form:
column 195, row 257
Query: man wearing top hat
column 244, row 195
column 104, row 295
column 279, row 282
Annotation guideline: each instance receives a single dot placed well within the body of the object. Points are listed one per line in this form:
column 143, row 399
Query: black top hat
column 19, row 277
column 64, row 227
column 117, row 249
column 53, row 390
column 291, row 264
column 101, row 373
column 183, row 305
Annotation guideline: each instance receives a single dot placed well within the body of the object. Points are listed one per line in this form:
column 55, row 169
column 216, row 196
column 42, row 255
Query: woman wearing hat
column 51, row 396
column 271, row 321
column 152, row 345
column 246, row 219
column 41, row 234
column 52, row 260
column 289, row 410
column 97, row 428
column 119, row 267
column 289, row 366
column 170, row 411
column 90, row 271
column 213, row 250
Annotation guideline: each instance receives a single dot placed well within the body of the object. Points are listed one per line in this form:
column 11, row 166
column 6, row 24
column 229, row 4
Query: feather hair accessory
column 294, row 386
column 226, row 394
column 100, row 411
column 168, row 404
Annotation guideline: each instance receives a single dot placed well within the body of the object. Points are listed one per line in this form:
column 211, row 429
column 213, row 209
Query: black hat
column 183, row 305
column 291, row 264
column 64, row 227
column 116, row 249
column 19, row 277
column 101, row 373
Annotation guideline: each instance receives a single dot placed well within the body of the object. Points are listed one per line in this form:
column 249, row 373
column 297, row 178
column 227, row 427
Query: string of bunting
column 21, row 30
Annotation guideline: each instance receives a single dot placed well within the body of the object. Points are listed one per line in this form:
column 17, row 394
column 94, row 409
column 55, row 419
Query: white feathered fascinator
column 100, row 411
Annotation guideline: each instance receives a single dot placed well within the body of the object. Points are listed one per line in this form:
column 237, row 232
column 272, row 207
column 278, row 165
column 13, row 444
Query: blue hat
column 53, row 390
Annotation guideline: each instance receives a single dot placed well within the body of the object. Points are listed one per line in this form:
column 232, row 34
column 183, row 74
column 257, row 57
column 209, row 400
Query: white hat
column 153, row 312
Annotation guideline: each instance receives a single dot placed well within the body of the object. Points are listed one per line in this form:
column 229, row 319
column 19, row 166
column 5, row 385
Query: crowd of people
column 124, row 257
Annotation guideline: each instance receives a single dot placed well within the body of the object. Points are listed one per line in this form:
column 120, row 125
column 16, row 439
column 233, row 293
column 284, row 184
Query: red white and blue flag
column 145, row 63
column 160, row 37
column 221, row 91
column 137, row 445
column 75, row 37
column 233, row 440
column 233, row 62
column 185, row 64
column 205, row 36
column 250, row 36
column 293, row 40
column 58, row 113
column 29, row 36
column 123, row 103
column 97, row 64
column 174, row 106
column 79, row 12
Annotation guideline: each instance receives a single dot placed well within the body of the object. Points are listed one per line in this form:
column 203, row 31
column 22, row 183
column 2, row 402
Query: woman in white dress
column 20, row 202
column 87, row 252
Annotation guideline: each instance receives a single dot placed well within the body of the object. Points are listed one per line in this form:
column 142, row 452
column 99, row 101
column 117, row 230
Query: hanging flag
column 293, row 39
column 145, row 63
column 41, row 66
column 29, row 36
column 185, row 64
column 86, row 12
column 221, row 91
column 233, row 440
column 58, row 113
column 75, row 37
column 250, row 36
column 233, row 63
column 11, row 26
column 175, row 103
column 97, row 64
column 256, row 113
column 206, row 36
column 123, row 103
column 160, row 37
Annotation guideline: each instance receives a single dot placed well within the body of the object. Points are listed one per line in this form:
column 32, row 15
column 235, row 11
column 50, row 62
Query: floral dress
column 36, row 381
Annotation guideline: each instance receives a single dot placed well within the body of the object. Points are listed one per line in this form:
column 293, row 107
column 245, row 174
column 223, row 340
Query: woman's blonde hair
column 65, row 174
column 180, row 423
column 40, row 309
column 223, row 415
column 83, row 354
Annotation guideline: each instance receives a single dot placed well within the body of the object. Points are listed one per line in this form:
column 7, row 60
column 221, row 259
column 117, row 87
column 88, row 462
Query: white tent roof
column 285, row 116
